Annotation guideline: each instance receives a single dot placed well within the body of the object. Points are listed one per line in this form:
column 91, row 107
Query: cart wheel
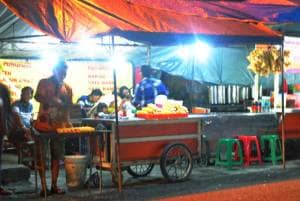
column 140, row 170
column 176, row 162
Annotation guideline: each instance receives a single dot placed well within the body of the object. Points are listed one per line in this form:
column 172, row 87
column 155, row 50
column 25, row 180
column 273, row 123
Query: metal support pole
column 117, row 124
column 149, row 55
column 282, row 104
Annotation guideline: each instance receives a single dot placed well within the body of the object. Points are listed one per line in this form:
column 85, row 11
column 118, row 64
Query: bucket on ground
column 75, row 166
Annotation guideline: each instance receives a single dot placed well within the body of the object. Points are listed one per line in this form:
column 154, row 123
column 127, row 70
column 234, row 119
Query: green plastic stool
column 231, row 159
column 274, row 150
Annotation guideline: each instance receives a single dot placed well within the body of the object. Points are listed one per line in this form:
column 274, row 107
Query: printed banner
column 292, row 44
column 82, row 76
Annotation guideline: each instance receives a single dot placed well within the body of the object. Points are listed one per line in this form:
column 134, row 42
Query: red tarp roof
column 73, row 20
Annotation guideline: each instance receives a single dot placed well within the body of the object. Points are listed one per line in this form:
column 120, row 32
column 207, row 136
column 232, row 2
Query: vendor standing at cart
column 55, row 99
column 150, row 87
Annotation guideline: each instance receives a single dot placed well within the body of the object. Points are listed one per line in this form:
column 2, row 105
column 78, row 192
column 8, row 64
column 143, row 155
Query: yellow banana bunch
column 264, row 61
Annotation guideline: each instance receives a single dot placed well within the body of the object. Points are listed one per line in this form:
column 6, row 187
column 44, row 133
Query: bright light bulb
column 184, row 53
column 118, row 61
column 202, row 51
column 49, row 58
column 88, row 47
column 199, row 51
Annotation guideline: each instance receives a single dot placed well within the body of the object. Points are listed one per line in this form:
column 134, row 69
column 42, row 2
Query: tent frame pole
column 117, row 137
column 149, row 55
column 282, row 105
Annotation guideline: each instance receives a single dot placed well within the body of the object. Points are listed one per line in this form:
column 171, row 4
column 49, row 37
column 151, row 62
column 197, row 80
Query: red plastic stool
column 247, row 142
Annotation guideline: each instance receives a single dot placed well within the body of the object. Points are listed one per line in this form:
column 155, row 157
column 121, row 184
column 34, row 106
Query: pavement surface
column 279, row 191
column 154, row 187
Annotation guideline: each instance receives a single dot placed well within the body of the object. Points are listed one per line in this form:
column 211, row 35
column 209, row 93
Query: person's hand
column 27, row 134
column 57, row 101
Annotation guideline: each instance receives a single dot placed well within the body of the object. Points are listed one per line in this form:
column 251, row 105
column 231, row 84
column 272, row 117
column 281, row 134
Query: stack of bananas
column 264, row 61
column 77, row 130
column 168, row 110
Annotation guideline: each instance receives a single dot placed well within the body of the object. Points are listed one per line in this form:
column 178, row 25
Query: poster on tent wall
column 292, row 44
column 82, row 76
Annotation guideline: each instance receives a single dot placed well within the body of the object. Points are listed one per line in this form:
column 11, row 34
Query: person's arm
column 137, row 97
column 42, row 95
column 19, row 125
column 66, row 99
column 162, row 89
column 2, row 126
column 80, row 102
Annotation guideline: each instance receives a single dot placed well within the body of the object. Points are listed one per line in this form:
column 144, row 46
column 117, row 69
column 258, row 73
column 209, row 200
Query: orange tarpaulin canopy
column 74, row 20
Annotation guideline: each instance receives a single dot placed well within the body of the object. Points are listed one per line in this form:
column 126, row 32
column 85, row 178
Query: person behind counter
column 126, row 106
column 150, row 87
column 55, row 98
column 87, row 102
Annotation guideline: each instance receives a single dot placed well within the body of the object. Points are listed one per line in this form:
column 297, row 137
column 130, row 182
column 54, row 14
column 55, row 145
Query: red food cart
column 171, row 143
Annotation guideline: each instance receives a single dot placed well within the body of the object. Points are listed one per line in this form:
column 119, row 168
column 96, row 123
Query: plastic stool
column 274, row 152
column 247, row 142
column 232, row 157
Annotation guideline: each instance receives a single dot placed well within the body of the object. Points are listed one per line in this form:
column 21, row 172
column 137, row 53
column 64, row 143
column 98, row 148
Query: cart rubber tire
column 167, row 161
column 137, row 171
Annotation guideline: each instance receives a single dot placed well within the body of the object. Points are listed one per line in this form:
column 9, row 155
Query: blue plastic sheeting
column 225, row 65
column 268, row 82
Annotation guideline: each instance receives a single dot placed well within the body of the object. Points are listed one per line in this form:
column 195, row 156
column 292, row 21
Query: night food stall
column 164, row 29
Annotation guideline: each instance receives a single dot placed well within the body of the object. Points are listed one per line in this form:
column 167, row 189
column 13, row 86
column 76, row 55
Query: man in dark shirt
column 87, row 102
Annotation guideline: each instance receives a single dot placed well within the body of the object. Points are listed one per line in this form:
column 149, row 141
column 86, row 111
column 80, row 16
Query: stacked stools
column 271, row 148
column 233, row 153
column 251, row 154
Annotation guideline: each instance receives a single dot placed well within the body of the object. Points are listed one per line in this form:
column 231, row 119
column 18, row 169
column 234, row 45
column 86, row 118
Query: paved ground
column 154, row 187
column 279, row 191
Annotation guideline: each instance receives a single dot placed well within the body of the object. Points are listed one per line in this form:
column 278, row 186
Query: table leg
column 100, row 163
column 35, row 166
column 90, row 156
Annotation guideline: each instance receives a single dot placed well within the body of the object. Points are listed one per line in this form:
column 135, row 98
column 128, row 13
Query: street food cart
column 171, row 143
